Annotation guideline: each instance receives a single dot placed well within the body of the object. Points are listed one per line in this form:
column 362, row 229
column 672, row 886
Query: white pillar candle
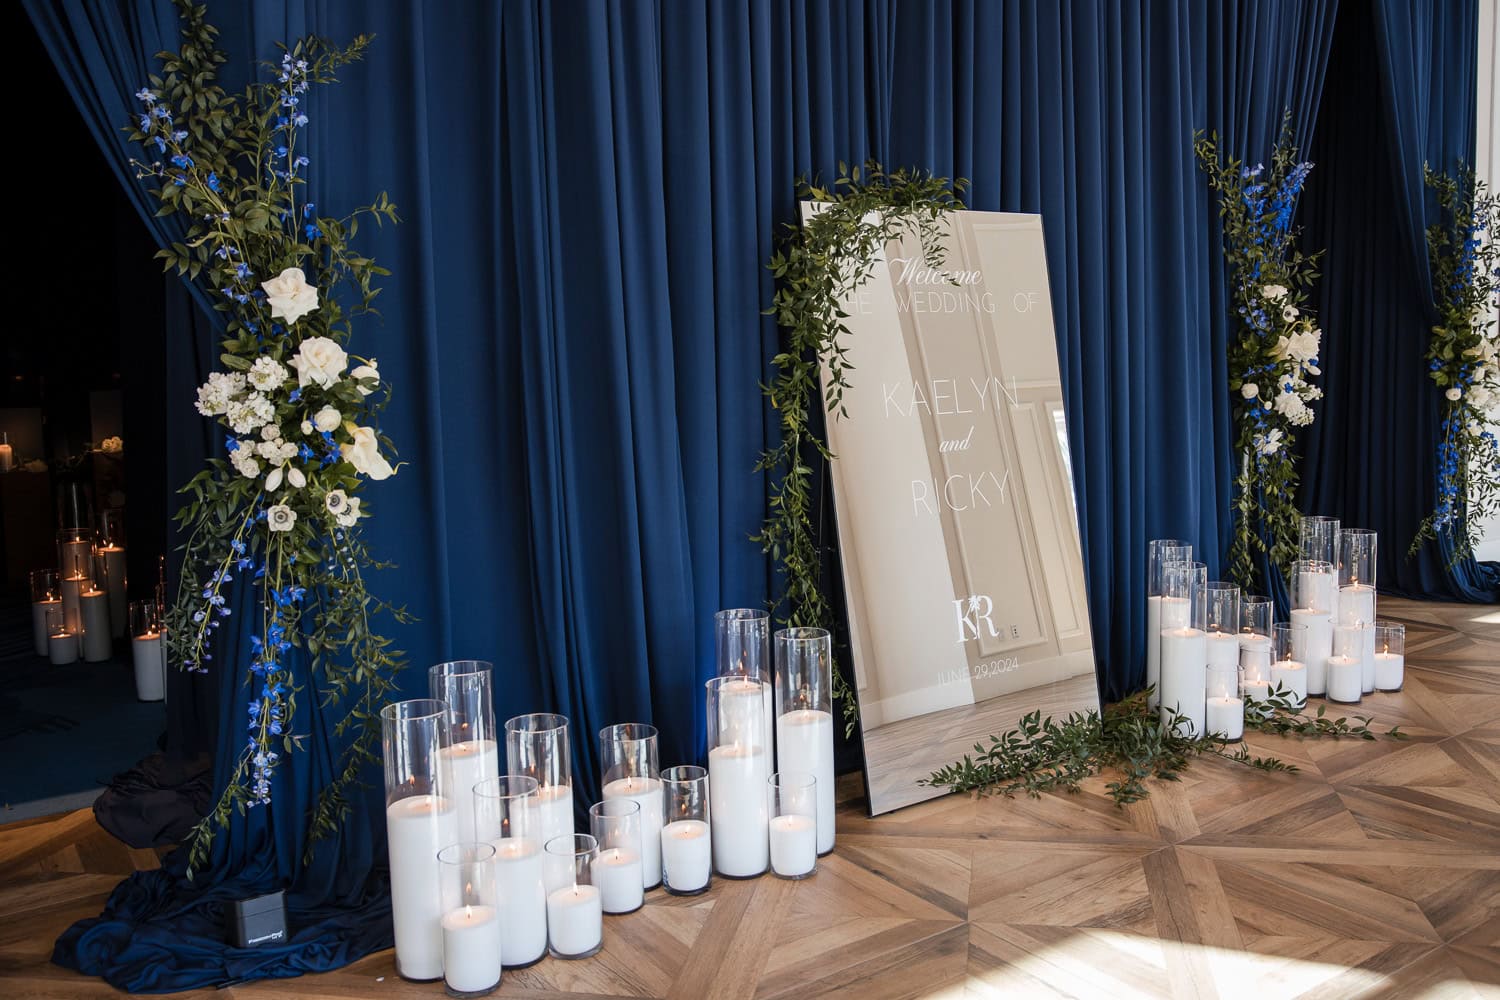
column 555, row 812
column 417, row 827
column 1316, row 644
column 804, row 742
column 737, row 810
column 464, row 766
column 150, row 672
column 1357, row 605
column 1256, row 689
column 111, row 559
column 7, row 457
column 1320, row 586
column 76, row 557
column 1390, row 671
column 1184, row 657
column 1223, row 649
column 737, row 703
column 1367, row 671
column 686, row 854
column 1291, row 676
column 72, row 587
column 1344, row 676
column 1255, row 656
column 646, row 791
column 794, row 845
column 1171, row 613
column 39, row 624
column 617, row 873
column 575, row 920
column 1226, row 718
column 93, row 609
column 523, row 900
column 471, row 949
column 1153, row 648
column 62, row 648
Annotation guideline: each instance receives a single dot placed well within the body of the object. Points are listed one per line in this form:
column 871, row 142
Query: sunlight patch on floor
column 1493, row 618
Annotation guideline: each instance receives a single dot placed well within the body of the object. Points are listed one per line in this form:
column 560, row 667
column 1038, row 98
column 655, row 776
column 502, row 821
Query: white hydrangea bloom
column 267, row 374
column 221, row 389
column 248, row 415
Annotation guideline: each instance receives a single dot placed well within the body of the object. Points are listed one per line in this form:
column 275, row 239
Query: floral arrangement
column 1463, row 358
column 1273, row 351
column 283, row 512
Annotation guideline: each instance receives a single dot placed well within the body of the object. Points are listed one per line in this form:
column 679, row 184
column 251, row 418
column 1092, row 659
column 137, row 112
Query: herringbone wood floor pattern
column 1373, row 872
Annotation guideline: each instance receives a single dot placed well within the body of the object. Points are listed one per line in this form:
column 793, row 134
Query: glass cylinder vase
column 792, row 799
column 1345, row 668
column 1288, row 671
column 742, row 644
column 506, row 815
column 471, row 919
column 536, row 745
column 148, row 654
column 420, row 820
column 738, row 766
column 75, row 560
column 1225, row 713
column 575, row 917
column 45, row 594
column 1390, row 656
column 1184, row 646
column 62, row 643
column 1357, row 550
column 473, row 753
column 1160, row 553
column 629, row 769
column 616, row 825
column 1318, row 538
column 1314, row 584
column 686, row 843
column 1223, row 623
column 804, row 716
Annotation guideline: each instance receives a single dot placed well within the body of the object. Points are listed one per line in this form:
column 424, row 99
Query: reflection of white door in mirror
column 963, row 571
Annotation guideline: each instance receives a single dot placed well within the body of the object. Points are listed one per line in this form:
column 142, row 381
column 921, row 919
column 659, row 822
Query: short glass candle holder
column 1288, row 672
column 575, row 916
column 1390, row 656
column 629, row 769
column 471, row 919
column 793, row 802
column 1225, row 709
column 62, row 642
column 804, row 715
column 686, row 843
column 1223, row 624
column 1344, row 671
column 536, row 745
column 1256, row 613
column 45, row 593
column 148, row 651
column 75, row 553
column 506, row 815
column 616, row 826
column 473, row 751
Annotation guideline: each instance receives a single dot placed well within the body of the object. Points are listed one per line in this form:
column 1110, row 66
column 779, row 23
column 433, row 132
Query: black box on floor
column 259, row 921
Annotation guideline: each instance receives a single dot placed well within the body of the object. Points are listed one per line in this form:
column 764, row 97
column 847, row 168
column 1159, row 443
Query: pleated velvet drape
column 591, row 191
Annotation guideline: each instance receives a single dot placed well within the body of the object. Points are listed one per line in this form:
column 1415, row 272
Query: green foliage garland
column 283, row 513
column 817, row 267
column 1463, row 357
column 1274, row 347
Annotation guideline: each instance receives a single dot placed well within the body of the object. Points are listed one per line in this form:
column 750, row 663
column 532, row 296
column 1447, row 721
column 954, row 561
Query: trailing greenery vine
column 1131, row 738
column 818, row 265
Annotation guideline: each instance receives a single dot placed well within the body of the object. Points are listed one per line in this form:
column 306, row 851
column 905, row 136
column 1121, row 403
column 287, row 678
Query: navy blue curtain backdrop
column 590, row 192
column 1401, row 94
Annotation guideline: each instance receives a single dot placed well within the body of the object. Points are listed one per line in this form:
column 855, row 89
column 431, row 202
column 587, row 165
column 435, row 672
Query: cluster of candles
column 487, row 870
column 80, row 608
column 1209, row 649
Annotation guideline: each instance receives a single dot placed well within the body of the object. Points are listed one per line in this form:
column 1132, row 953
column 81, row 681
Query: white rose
column 319, row 360
column 270, row 432
column 364, row 454
column 1454, row 395
column 1249, row 390
column 290, row 296
column 1273, row 291
column 327, row 419
column 350, row 514
column 280, row 517
column 366, row 371
column 112, row 444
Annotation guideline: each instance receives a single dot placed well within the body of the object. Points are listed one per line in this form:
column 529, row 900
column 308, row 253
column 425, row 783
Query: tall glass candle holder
column 473, row 754
column 420, row 820
column 536, row 745
column 1184, row 646
column 616, row 825
column 629, row 769
column 1160, row 552
column 147, row 654
column 1226, row 708
column 792, row 801
column 1318, row 538
column 1256, row 614
column 93, row 612
column 109, row 566
column 686, row 842
column 804, row 716
column 1390, row 656
column 62, row 644
column 75, row 558
column 1314, row 584
column 1288, row 672
column 738, row 766
column 471, row 919
column 45, row 594
column 575, row 917
column 1345, row 668
column 742, row 644
column 1357, row 593
column 506, row 815
column 1223, row 603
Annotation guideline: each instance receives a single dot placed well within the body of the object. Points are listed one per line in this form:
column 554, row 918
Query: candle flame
column 468, row 912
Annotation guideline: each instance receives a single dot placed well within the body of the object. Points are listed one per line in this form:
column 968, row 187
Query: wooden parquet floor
column 1375, row 872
